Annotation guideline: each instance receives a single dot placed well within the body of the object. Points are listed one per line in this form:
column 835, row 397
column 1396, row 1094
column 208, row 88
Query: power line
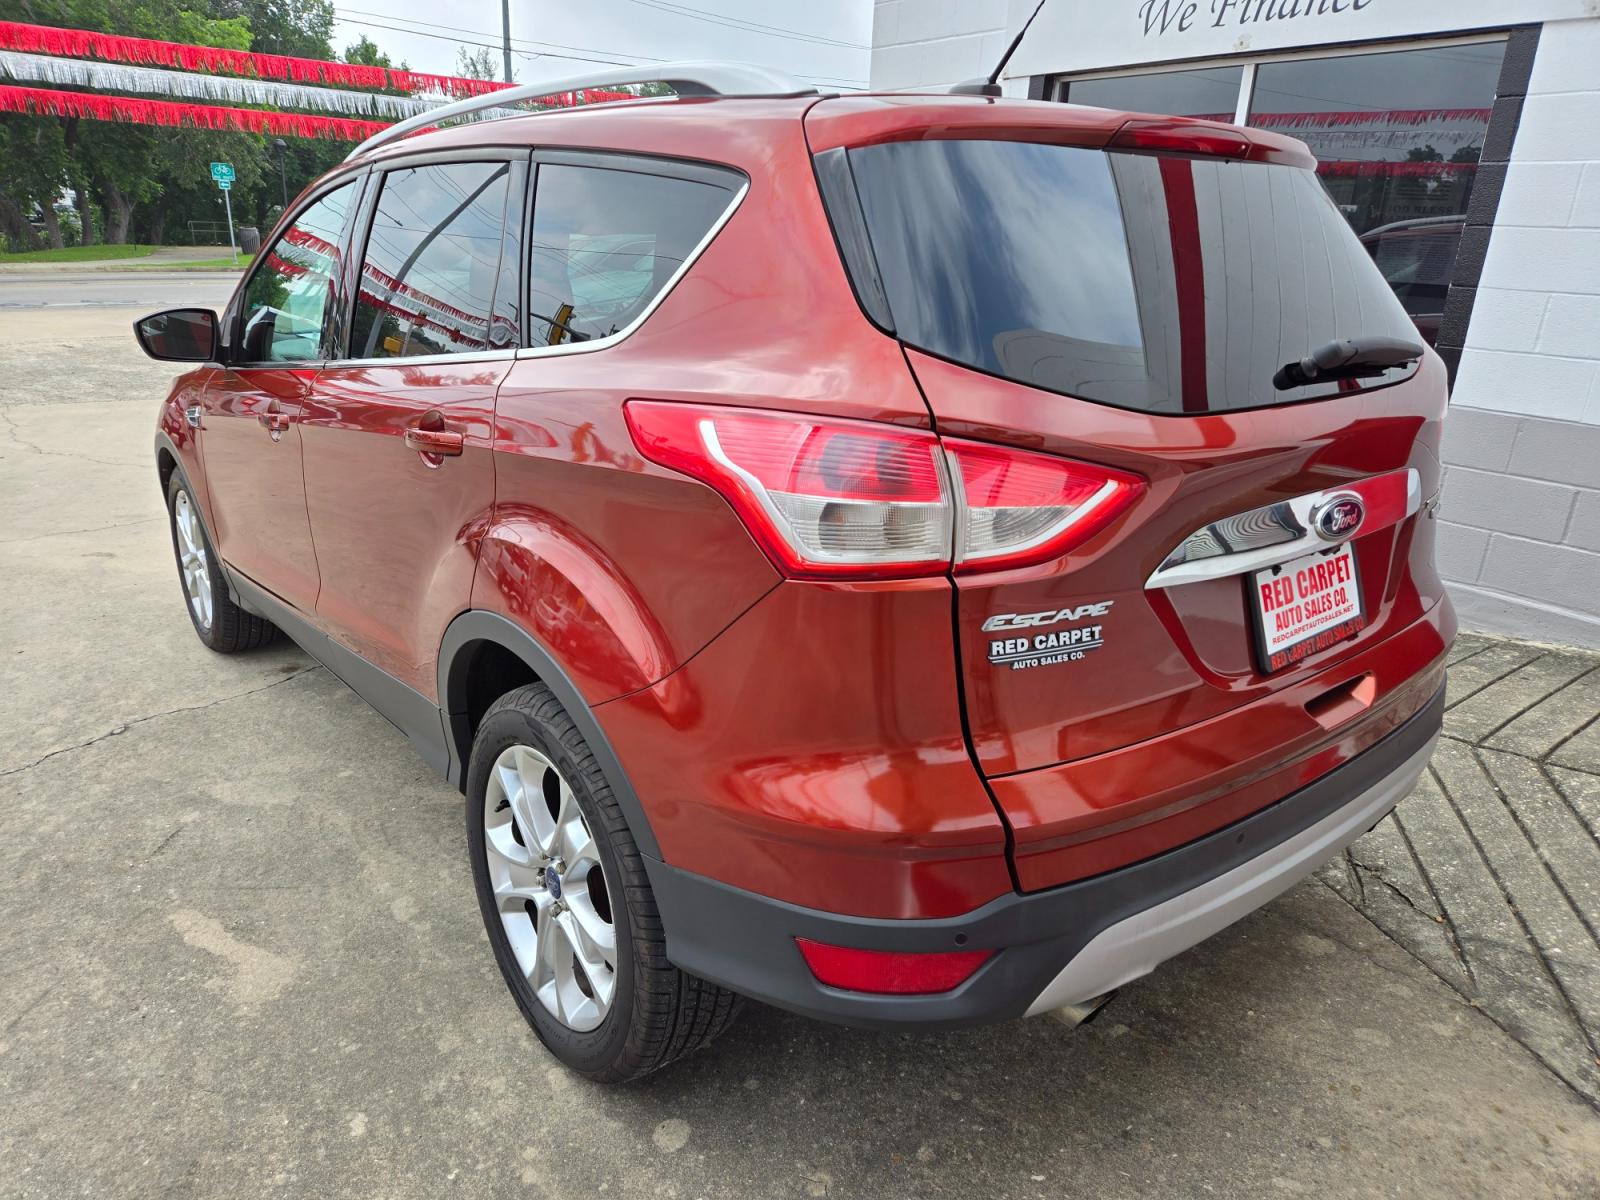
column 591, row 55
column 537, row 50
column 732, row 22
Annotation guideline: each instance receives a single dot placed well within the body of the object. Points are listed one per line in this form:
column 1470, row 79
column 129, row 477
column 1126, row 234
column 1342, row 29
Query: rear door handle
column 275, row 423
column 442, row 442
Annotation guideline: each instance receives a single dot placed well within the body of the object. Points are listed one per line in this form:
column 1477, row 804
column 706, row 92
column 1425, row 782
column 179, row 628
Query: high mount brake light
column 831, row 499
column 1189, row 137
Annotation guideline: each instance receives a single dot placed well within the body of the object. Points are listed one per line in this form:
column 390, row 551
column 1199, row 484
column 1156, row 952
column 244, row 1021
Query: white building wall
column 1520, row 541
column 934, row 43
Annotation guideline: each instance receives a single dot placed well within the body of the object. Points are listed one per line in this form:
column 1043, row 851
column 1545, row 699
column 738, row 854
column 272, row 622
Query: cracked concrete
column 1496, row 856
column 240, row 956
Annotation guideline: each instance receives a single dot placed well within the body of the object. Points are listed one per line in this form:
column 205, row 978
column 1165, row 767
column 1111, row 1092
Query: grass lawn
column 200, row 264
column 77, row 254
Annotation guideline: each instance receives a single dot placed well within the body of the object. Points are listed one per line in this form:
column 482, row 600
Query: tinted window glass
column 1212, row 92
column 432, row 259
column 1152, row 282
column 292, row 291
column 1397, row 136
column 605, row 242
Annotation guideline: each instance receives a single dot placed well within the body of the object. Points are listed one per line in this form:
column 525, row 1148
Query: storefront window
column 1397, row 138
column 1398, row 135
column 1213, row 92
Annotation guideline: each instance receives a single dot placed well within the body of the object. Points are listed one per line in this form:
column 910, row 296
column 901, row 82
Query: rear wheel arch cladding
column 462, row 642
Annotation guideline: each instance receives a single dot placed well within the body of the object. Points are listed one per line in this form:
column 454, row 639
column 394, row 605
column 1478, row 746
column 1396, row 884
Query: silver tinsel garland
column 150, row 81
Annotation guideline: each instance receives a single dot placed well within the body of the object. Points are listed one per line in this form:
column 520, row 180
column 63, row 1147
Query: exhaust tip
column 1073, row 1015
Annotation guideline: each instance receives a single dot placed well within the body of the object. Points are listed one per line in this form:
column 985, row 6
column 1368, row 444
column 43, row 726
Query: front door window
column 292, row 291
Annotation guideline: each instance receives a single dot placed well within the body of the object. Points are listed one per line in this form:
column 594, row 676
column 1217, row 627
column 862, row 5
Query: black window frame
column 233, row 316
column 733, row 180
column 518, row 207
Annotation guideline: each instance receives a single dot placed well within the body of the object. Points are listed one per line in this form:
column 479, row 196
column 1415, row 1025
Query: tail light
column 824, row 498
column 887, row 972
column 1024, row 508
column 830, row 499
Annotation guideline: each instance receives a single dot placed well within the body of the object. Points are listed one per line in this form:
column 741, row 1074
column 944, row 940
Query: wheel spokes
column 549, row 887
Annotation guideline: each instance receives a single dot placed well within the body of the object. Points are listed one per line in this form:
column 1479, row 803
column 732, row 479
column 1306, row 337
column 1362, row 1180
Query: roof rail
column 685, row 78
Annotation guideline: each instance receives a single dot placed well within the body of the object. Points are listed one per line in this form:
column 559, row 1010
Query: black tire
column 658, row 1013
column 230, row 628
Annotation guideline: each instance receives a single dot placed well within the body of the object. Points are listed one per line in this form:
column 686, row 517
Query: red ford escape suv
column 912, row 560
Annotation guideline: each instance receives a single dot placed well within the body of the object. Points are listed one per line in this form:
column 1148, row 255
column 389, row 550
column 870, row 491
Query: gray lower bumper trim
column 1138, row 944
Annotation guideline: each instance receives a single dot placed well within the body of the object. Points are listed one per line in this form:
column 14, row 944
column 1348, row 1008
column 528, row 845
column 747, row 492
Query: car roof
column 740, row 130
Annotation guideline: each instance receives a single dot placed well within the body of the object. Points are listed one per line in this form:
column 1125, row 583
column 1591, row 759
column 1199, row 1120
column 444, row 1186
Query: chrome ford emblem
column 552, row 883
column 1339, row 517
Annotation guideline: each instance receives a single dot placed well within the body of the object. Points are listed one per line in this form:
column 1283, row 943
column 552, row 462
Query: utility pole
column 505, row 34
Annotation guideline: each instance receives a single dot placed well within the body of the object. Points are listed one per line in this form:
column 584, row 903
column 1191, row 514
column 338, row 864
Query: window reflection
column 431, row 262
column 605, row 242
column 1397, row 135
column 1153, row 282
column 1209, row 92
column 287, row 297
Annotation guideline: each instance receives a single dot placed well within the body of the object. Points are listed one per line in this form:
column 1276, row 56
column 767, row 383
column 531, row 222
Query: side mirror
column 179, row 335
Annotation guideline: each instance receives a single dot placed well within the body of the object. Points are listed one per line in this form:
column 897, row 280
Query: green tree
column 144, row 183
column 478, row 64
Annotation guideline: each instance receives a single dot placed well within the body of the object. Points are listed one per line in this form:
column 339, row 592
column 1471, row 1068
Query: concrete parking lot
column 240, row 954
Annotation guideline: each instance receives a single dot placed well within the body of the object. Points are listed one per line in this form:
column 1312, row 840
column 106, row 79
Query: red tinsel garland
column 43, row 102
column 86, row 43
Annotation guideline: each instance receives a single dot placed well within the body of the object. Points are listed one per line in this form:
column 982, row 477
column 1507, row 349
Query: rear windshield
column 1164, row 284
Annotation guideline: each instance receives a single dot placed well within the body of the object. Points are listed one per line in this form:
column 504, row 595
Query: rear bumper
column 1056, row 947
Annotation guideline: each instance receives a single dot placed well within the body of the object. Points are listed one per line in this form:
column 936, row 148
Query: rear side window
column 432, row 262
column 1164, row 284
column 606, row 242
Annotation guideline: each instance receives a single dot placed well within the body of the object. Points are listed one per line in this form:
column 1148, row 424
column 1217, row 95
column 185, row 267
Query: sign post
column 222, row 175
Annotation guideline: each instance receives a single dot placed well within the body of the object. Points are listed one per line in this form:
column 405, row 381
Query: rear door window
column 433, row 258
column 607, row 242
column 1159, row 283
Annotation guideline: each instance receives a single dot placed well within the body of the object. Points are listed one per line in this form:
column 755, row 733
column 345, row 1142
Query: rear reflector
column 887, row 972
column 831, row 499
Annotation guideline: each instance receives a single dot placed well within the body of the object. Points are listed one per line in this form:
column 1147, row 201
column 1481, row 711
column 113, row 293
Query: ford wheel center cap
column 1339, row 517
column 552, row 883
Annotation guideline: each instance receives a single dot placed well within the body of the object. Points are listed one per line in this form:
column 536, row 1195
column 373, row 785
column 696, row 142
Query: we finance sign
column 1068, row 36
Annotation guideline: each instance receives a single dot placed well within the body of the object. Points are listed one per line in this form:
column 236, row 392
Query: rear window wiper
column 1347, row 358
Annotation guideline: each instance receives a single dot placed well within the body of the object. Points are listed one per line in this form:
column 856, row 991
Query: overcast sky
column 824, row 41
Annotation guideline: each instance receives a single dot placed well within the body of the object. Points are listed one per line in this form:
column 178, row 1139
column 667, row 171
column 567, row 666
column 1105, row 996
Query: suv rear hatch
column 1122, row 292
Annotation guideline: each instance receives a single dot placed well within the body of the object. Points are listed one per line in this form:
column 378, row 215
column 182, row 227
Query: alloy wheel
column 192, row 559
column 550, row 888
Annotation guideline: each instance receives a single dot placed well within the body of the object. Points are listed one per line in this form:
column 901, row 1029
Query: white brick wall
column 1534, row 343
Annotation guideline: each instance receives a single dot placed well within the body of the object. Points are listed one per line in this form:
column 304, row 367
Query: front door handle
column 440, row 442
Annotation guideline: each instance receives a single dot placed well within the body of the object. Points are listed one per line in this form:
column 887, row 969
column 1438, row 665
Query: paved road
column 240, row 954
column 145, row 290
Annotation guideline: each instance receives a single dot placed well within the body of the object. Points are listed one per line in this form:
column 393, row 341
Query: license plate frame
column 1346, row 617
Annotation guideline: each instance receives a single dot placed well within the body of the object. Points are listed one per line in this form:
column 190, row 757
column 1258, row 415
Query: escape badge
column 1024, row 652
